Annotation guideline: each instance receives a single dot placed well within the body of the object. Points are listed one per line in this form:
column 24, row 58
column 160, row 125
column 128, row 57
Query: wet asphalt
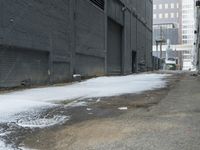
column 165, row 119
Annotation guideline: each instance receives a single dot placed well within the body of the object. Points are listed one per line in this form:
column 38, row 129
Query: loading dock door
column 134, row 61
column 114, row 54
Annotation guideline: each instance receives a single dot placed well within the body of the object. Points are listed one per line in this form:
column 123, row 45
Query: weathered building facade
column 167, row 20
column 47, row 41
column 197, row 35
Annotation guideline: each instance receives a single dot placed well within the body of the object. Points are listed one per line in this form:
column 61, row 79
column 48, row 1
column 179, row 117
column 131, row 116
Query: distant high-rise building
column 167, row 20
column 187, row 21
column 174, row 20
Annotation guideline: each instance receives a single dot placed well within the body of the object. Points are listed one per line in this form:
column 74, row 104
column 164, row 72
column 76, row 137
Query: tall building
column 188, row 22
column 167, row 20
column 49, row 41
column 174, row 20
column 188, row 27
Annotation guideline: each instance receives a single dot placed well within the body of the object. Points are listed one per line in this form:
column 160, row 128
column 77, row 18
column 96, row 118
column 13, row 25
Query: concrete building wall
column 39, row 26
column 89, row 39
column 19, row 66
column 49, row 41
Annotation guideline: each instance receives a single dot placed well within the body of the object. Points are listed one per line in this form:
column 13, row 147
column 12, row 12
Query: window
column 187, row 32
column 160, row 6
column 177, row 5
column 172, row 5
column 160, row 16
column 172, row 15
column 187, row 57
column 186, row 52
column 185, row 41
column 177, row 15
column 166, row 15
column 187, row 37
column 166, row 6
column 154, row 16
column 187, row 6
column 164, row 26
column 154, row 6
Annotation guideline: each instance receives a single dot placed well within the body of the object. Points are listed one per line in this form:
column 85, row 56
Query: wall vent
column 98, row 3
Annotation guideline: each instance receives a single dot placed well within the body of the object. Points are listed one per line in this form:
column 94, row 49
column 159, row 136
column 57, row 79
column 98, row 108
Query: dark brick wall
column 90, row 39
column 69, row 36
column 19, row 66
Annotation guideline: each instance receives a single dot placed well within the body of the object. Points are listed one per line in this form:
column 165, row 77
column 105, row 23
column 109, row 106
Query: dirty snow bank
column 4, row 147
column 97, row 87
column 26, row 100
column 42, row 122
column 24, row 107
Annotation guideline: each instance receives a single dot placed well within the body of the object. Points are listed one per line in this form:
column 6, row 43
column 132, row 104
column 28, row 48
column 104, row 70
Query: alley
column 171, row 122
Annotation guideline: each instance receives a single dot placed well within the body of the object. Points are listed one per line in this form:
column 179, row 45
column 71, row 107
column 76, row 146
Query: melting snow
column 89, row 109
column 123, row 108
column 26, row 100
column 98, row 100
column 42, row 122
column 5, row 147
column 14, row 105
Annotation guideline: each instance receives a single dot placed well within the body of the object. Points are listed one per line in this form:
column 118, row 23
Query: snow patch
column 25, row 148
column 16, row 106
column 76, row 104
column 97, row 87
column 123, row 108
column 43, row 122
column 98, row 100
column 12, row 109
column 89, row 109
column 23, row 101
column 3, row 146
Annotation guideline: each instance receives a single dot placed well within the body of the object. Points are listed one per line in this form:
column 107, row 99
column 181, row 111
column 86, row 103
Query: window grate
column 99, row 3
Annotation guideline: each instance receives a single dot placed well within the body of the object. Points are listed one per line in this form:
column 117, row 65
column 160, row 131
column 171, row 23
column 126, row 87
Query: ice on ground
column 42, row 122
column 3, row 146
column 15, row 106
column 76, row 104
column 97, row 87
column 25, row 100
column 11, row 109
column 98, row 100
column 123, row 108
column 89, row 109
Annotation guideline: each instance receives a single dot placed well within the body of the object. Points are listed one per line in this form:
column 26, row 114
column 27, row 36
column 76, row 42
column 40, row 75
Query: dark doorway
column 114, row 54
column 134, row 54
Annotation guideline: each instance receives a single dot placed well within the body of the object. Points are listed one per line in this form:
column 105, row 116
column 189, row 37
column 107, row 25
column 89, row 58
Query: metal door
column 114, row 54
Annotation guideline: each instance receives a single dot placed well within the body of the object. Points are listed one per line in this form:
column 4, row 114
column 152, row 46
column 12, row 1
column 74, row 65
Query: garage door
column 18, row 66
column 114, row 54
